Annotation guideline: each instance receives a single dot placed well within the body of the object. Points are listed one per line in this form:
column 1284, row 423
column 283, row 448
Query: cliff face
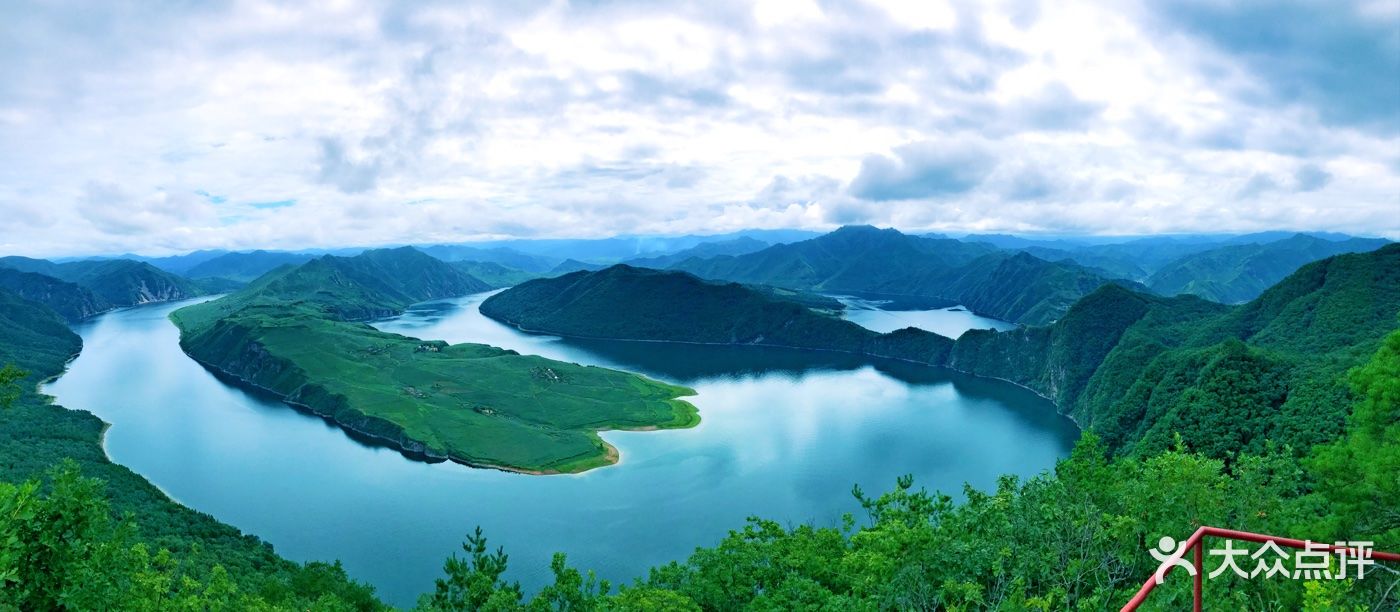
column 80, row 289
column 72, row 302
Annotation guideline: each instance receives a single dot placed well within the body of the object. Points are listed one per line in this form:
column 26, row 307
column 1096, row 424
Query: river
column 784, row 435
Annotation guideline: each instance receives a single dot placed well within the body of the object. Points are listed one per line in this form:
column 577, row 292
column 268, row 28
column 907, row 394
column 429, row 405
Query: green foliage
column 110, row 283
column 71, row 301
column 62, row 550
column 9, row 384
column 1011, row 286
column 1239, row 273
column 36, row 437
column 373, row 284
column 1359, row 475
column 679, row 307
column 288, row 333
column 495, row 275
column 1143, row 370
column 474, row 582
column 1197, row 403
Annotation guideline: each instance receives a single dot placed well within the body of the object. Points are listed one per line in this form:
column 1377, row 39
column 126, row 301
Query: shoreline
column 1058, row 409
column 536, row 332
column 611, row 455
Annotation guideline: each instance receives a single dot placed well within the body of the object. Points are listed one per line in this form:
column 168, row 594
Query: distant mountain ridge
column 1238, row 273
column 861, row 259
column 245, row 267
column 114, row 283
column 373, row 284
column 742, row 245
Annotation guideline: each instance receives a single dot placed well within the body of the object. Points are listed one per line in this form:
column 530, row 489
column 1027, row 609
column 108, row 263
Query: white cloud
column 126, row 128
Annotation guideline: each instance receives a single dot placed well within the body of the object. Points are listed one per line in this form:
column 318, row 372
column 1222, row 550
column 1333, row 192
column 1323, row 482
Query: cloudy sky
column 161, row 127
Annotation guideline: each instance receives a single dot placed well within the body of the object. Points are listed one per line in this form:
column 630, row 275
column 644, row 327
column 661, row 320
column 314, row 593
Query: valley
column 406, row 371
column 780, row 430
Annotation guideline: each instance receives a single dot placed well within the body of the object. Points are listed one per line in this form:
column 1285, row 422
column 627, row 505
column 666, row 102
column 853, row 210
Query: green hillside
column 1017, row 287
column 1141, row 370
column 494, row 275
column 64, row 542
column 118, row 282
column 864, row 260
column 371, row 285
column 1288, row 412
column 244, row 267
column 292, row 333
column 623, row 302
column 1239, row 273
column 743, row 245
column 71, row 301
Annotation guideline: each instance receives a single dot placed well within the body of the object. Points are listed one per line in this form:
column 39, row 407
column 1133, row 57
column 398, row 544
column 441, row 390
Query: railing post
column 1196, row 587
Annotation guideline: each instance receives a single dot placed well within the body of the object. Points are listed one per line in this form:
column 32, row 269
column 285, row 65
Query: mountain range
column 1141, row 370
column 864, row 260
column 81, row 289
column 1240, row 272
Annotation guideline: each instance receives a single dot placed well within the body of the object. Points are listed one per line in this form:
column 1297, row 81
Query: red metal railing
column 1196, row 543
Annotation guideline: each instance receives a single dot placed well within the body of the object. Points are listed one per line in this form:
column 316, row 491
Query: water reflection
column 784, row 435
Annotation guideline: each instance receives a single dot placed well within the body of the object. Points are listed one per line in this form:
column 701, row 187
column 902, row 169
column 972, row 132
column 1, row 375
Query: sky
column 163, row 127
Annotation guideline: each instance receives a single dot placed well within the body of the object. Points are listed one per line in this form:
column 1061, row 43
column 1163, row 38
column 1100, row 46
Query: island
column 623, row 302
column 298, row 332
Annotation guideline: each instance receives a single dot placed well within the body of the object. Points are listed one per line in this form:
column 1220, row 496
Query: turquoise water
column 950, row 322
column 784, row 436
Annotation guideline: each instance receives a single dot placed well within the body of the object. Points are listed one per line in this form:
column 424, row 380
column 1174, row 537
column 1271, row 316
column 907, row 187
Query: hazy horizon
column 489, row 243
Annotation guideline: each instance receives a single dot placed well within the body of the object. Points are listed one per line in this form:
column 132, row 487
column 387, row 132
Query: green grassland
column 288, row 333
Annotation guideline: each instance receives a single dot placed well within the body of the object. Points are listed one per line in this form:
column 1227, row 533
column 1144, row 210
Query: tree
column 9, row 384
column 474, row 582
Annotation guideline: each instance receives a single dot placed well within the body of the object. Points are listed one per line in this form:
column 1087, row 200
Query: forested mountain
column 742, row 245
column 118, row 282
column 1140, row 369
column 679, row 307
column 573, row 265
column 292, row 333
column 852, row 259
column 373, row 284
column 493, row 274
column 64, row 545
column 865, row 260
column 245, row 267
column 1239, row 273
column 178, row 264
column 617, row 249
column 71, row 301
column 503, row 256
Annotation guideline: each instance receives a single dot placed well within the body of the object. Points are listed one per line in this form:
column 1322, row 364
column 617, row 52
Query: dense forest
column 1003, row 284
column 80, row 532
column 679, row 307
